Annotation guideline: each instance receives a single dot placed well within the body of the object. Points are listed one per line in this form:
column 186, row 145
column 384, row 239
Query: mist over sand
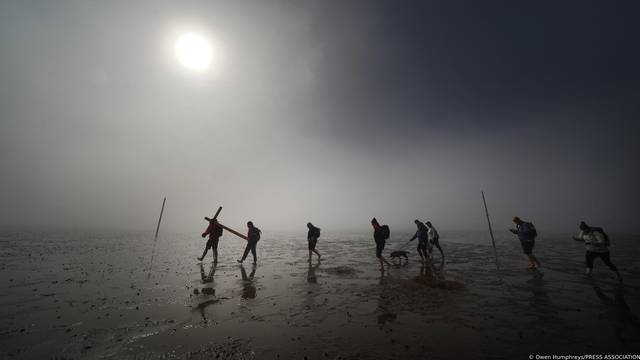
column 315, row 112
column 325, row 112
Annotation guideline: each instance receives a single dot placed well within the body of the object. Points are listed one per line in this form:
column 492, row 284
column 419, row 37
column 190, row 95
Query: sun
column 193, row 51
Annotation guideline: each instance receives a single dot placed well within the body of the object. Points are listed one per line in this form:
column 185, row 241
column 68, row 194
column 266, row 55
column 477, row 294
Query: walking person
column 253, row 236
column 380, row 235
column 597, row 244
column 214, row 230
column 434, row 238
column 527, row 234
column 422, row 234
column 312, row 239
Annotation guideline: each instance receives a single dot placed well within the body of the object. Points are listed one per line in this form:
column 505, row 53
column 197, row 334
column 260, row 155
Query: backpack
column 315, row 232
column 255, row 234
column 384, row 232
column 218, row 231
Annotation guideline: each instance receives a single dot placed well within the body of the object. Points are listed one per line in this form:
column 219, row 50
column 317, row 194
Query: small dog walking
column 399, row 255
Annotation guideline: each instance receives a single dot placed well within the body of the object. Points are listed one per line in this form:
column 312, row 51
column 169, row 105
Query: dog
column 399, row 255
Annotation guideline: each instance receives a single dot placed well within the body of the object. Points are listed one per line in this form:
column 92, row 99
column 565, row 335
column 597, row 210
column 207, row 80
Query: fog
column 329, row 112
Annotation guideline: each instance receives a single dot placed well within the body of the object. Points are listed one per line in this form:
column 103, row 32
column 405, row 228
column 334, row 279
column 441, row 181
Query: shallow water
column 89, row 295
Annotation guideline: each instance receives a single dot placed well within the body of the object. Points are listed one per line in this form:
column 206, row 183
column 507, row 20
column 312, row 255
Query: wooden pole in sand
column 160, row 219
column 155, row 238
column 493, row 240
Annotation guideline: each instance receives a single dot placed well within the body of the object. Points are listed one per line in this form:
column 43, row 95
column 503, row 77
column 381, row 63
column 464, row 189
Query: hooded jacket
column 595, row 240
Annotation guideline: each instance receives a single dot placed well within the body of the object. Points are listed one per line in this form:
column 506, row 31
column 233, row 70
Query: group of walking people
column 596, row 242
column 595, row 239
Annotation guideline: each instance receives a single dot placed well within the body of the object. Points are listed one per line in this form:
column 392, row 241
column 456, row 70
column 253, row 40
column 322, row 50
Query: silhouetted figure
column 248, row 288
column 527, row 234
column 434, row 238
column 312, row 239
column 214, row 231
column 380, row 235
column 422, row 234
column 597, row 244
column 253, row 235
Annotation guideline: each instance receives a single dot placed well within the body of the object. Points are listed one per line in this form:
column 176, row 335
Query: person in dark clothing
column 597, row 244
column 527, row 234
column 380, row 235
column 253, row 235
column 214, row 230
column 312, row 239
column 422, row 234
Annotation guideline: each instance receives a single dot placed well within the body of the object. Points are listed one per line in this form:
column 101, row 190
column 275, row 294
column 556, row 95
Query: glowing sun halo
column 193, row 51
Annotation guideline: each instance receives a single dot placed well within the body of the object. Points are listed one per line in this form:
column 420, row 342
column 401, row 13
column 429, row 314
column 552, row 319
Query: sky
column 325, row 111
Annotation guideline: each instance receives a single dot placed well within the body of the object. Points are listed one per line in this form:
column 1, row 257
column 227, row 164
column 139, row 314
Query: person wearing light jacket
column 434, row 238
column 597, row 243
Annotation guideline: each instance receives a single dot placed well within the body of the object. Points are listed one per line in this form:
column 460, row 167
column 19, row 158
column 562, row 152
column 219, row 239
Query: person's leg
column 437, row 245
column 253, row 252
column 527, row 248
column 246, row 252
column 379, row 248
column 534, row 260
column 419, row 248
column 315, row 242
column 382, row 257
column 606, row 258
column 589, row 257
column 531, row 263
column 214, row 248
column 206, row 249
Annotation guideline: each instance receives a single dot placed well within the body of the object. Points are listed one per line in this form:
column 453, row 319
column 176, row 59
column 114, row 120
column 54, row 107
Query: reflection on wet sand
column 625, row 323
column 99, row 304
column 208, row 277
column 538, row 288
column 248, row 286
column 311, row 272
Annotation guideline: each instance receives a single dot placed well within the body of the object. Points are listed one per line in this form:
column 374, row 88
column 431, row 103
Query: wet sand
column 87, row 295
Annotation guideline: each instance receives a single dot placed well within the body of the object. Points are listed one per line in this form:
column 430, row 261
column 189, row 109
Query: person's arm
column 514, row 231
column 414, row 237
column 580, row 237
column 208, row 231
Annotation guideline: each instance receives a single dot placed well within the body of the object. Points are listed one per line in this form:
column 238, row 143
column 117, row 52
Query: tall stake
column 155, row 238
column 160, row 219
column 493, row 240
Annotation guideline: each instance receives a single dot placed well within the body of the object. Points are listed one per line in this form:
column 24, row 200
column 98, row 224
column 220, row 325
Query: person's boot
column 200, row 258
